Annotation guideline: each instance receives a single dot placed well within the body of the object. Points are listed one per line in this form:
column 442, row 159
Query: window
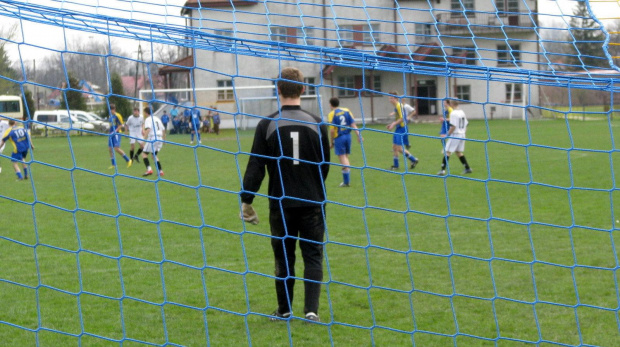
column 374, row 84
column 278, row 34
column 506, row 56
column 359, row 34
column 518, row 92
column 507, row 6
column 465, row 55
column 346, row 82
column 310, row 88
column 370, row 32
column 459, row 6
column 356, row 84
column 225, row 94
column 293, row 35
column 9, row 106
column 309, row 35
column 463, row 93
column 346, row 33
column 224, row 32
column 423, row 32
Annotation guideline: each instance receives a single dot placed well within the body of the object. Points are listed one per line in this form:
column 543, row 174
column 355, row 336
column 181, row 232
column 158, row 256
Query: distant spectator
column 176, row 124
column 165, row 119
column 215, row 116
column 206, row 124
column 174, row 112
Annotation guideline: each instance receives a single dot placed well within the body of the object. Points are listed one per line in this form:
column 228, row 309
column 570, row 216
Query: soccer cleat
column 467, row 171
column 200, row 142
column 277, row 316
column 129, row 163
column 0, row 170
column 393, row 167
column 442, row 172
column 148, row 173
column 414, row 163
column 137, row 159
column 191, row 142
column 161, row 173
column 343, row 185
column 112, row 167
column 312, row 317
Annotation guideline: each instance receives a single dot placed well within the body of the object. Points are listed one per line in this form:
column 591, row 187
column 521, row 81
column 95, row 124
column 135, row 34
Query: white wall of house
column 408, row 35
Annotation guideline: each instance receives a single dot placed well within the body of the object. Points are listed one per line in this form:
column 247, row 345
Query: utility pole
column 36, row 87
column 135, row 88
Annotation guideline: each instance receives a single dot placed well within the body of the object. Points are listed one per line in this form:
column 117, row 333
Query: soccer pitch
column 522, row 251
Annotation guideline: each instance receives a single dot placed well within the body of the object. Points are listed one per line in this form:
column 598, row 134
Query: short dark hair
column 12, row 121
column 147, row 110
column 112, row 107
column 335, row 102
column 290, row 82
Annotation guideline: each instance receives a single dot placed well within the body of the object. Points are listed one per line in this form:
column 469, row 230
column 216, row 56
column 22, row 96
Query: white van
column 58, row 119
column 83, row 116
column 11, row 106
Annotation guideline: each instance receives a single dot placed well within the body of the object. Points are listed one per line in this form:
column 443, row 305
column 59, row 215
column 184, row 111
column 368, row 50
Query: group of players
column 341, row 120
column 149, row 133
column 453, row 126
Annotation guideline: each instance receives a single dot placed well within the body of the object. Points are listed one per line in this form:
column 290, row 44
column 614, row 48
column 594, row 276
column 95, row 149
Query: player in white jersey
column 134, row 124
column 456, row 138
column 4, row 126
column 154, row 134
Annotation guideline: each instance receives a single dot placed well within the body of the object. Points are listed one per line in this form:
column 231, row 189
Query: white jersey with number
column 156, row 128
column 4, row 125
column 155, row 135
column 134, row 123
column 459, row 121
column 408, row 109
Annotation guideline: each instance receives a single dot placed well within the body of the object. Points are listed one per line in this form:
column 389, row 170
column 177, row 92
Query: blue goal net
column 502, row 235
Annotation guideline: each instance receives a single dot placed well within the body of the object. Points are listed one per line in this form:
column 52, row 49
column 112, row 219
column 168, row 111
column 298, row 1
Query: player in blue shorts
column 114, row 141
column 400, row 132
column 18, row 137
column 445, row 119
column 341, row 122
column 195, row 121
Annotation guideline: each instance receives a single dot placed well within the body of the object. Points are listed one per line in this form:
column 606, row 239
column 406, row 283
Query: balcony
column 478, row 23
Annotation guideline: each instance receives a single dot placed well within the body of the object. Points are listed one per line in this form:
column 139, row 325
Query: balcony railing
column 456, row 23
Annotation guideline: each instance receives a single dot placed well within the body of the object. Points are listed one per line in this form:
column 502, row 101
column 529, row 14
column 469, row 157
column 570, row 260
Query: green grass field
column 523, row 251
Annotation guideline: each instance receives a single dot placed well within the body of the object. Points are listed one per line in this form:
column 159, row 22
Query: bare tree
column 6, row 68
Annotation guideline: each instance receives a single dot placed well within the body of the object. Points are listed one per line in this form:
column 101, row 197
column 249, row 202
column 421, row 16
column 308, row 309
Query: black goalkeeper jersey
column 294, row 147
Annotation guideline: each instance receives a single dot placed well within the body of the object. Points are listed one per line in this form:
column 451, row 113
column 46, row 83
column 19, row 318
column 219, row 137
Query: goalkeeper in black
column 293, row 145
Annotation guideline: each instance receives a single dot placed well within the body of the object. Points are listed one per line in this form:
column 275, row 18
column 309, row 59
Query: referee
column 294, row 147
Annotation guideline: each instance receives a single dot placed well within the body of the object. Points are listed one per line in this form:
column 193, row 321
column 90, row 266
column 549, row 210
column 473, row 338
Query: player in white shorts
column 4, row 126
column 456, row 138
column 134, row 123
column 154, row 134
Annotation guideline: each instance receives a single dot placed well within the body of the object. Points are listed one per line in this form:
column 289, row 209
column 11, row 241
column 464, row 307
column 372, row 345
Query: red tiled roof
column 183, row 65
column 195, row 4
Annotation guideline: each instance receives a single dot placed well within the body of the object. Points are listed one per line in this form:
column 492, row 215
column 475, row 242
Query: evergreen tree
column 123, row 106
column 588, row 37
column 6, row 86
column 29, row 104
column 74, row 98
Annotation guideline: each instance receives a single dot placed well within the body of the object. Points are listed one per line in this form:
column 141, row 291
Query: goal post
column 239, row 106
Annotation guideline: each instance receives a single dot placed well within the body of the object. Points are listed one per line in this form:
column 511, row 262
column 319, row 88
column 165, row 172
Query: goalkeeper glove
column 248, row 214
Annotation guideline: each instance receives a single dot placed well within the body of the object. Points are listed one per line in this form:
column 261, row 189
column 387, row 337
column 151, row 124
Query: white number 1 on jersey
column 295, row 137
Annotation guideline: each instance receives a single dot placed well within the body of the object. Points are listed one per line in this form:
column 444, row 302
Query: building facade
column 477, row 51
